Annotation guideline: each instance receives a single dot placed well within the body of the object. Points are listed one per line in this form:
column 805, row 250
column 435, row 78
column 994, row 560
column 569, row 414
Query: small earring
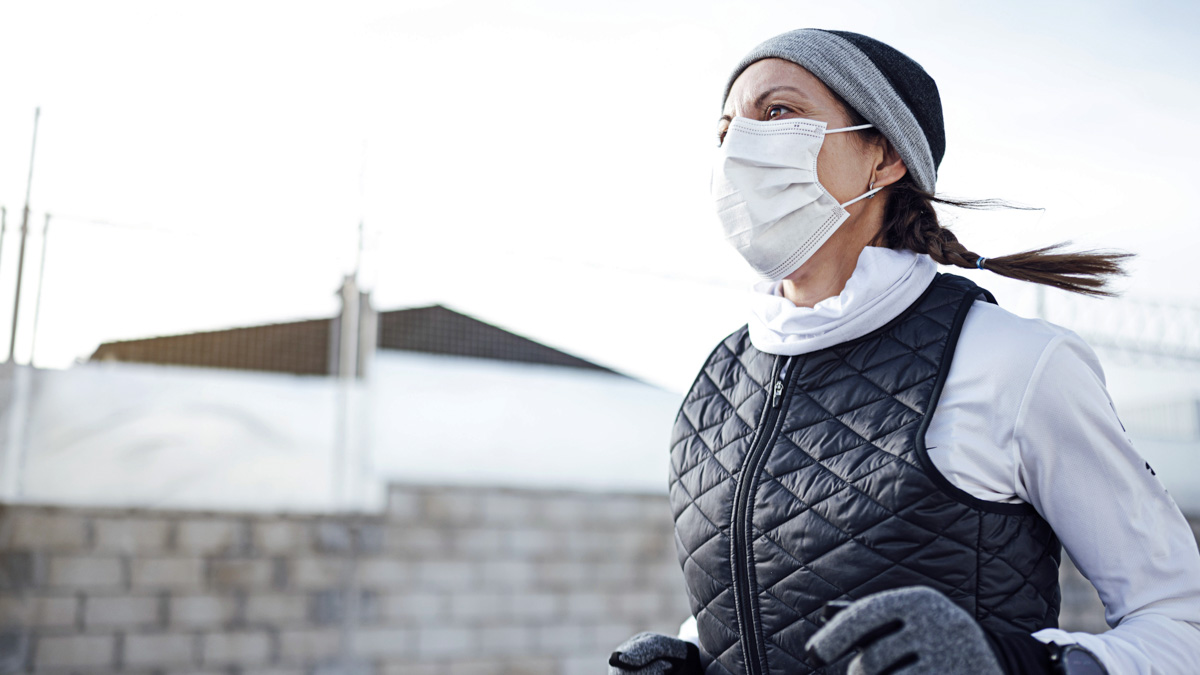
column 871, row 187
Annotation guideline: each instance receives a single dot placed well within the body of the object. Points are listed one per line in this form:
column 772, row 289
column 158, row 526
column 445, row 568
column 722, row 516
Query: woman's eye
column 777, row 111
column 721, row 135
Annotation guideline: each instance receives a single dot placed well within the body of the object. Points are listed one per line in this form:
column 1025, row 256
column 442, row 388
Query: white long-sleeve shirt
column 1024, row 416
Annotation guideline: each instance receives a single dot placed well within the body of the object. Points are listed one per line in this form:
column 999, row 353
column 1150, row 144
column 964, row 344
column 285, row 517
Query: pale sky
column 541, row 165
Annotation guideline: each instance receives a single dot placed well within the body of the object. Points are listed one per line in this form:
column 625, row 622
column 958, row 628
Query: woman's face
column 774, row 89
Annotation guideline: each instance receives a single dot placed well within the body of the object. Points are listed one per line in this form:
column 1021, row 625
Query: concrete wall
column 447, row 581
column 452, row 580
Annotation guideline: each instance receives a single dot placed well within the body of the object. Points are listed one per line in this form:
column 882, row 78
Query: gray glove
column 655, row 654
column 905, row 631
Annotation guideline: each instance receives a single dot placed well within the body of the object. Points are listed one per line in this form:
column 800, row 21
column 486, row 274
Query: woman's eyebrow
column 762, row 98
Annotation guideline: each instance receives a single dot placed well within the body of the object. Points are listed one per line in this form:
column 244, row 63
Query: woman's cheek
column 839, row 172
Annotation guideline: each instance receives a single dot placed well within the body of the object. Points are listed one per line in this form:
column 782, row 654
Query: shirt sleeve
column 1077, row 467
column 689, row 632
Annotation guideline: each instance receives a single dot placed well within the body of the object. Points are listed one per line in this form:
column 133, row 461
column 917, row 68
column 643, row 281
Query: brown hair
column 910, row 222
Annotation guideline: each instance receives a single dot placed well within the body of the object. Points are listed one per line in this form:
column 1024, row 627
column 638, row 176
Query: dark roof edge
column 594, row 366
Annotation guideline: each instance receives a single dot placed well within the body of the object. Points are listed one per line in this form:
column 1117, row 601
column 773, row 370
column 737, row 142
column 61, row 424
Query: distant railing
column 1135, row 329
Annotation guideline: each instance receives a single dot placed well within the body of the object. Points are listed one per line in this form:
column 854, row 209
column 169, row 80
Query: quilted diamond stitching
column 728, row 389
column 849, row 486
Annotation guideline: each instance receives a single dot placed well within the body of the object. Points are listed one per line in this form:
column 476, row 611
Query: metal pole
column 37, row 303
column 12, row 472
column 12, row 342
column 3, row 223
column 347, row 374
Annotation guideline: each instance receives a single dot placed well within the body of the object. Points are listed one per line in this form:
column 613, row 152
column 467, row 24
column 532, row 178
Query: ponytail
column 910, row 222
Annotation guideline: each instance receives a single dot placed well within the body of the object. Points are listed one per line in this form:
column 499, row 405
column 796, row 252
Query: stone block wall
column 448, row 581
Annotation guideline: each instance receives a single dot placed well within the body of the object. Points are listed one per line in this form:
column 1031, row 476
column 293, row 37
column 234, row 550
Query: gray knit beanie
column 886, row 87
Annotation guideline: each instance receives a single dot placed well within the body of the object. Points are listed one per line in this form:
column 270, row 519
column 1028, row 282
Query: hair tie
column 979, row 262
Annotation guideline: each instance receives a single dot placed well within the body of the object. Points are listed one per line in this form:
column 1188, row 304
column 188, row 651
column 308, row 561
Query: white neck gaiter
column 884, row 284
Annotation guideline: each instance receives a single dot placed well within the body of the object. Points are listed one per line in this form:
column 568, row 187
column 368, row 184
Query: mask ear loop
column 865, row 195
column 844, row 129
column 871, row 191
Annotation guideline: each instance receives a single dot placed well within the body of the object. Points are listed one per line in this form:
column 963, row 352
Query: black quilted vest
column 800, row 480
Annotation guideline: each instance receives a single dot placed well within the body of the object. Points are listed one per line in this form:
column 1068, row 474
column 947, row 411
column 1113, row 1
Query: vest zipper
column 743, row 516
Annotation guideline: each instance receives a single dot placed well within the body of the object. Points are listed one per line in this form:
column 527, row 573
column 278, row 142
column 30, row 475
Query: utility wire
column 86, row 220
column 1168, row 330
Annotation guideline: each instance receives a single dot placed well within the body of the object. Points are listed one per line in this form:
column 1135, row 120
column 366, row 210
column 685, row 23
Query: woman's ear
column 890, row 167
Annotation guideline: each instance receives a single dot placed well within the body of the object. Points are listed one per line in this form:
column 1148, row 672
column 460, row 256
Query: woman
column 883, row 442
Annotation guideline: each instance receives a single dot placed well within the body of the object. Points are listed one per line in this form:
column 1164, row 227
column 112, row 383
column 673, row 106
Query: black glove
column 655, row 654
column 903, row 631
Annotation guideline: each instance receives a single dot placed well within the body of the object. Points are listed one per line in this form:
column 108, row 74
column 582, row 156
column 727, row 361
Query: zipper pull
column 777, row 390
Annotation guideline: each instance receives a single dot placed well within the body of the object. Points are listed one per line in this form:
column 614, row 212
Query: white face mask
column 770, row 204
